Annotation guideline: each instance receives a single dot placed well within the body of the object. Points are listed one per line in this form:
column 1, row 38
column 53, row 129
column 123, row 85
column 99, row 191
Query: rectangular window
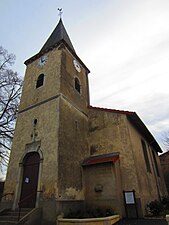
column 146, row 156
column 155, row 162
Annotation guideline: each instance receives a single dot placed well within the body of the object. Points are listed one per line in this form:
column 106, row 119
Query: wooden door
column 29, row 180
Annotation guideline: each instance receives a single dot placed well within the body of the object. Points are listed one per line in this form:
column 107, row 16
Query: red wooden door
column 30, row 180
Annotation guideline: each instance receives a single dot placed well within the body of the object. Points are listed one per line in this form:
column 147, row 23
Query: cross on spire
column 60, row 12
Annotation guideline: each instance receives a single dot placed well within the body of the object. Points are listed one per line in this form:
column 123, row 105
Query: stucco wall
column 47, row 132
column 112, row 132
column 60, row 133
column 36, row 103
column 102, row 187
column 150, row 184
column 109, row 133
column 73, row 129
column 73, row 148
column 32, row 95
column 68, row 75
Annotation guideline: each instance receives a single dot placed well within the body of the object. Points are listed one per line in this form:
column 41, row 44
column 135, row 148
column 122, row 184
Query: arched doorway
column 29, row 180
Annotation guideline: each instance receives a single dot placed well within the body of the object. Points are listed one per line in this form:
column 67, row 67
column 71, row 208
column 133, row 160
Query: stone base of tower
column 5, row 205
column 52, row 208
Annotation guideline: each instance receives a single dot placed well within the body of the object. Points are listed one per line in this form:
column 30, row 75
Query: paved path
column 143, row 222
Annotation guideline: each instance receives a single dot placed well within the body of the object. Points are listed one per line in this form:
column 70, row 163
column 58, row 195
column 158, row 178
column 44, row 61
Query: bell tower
column 50, row 139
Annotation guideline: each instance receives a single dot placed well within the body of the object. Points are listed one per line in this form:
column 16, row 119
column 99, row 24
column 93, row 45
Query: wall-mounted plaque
column 129, row 197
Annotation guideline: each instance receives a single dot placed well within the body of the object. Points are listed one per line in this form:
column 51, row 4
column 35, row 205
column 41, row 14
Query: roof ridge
column 111, row 110
column 137, row 122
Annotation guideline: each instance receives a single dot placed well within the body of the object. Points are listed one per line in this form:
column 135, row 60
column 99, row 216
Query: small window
column 77, row 84
column 146, row 156
column 40, row 81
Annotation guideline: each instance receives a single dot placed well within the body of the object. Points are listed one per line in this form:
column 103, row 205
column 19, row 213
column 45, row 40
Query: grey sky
column 125, row 44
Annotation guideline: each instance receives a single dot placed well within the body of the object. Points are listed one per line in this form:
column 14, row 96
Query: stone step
column 7, row 223
column 11, row 217
column 26, row 210
column 14, row 213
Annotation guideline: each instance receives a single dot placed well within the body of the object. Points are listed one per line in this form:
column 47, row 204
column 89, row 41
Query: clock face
column 77, row 65
column 42, row 61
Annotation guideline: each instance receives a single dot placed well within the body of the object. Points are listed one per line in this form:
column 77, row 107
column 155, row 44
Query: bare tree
column 10, row 92
column 165, row 140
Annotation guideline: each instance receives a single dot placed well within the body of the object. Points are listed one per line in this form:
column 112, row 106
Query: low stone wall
column 90, row 221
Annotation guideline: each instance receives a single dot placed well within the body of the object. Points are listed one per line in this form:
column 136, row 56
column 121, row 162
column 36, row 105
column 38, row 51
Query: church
column 68, row 155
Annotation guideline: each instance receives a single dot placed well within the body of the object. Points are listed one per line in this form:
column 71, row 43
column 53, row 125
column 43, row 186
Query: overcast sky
column 124, row 43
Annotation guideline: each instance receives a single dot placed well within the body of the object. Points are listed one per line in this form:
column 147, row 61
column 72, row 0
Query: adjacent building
column 164, row 159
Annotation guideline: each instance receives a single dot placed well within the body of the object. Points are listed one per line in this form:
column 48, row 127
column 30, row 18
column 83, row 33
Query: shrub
column 158, row 208
column 165, row 202
column 90, row 213
column 155, row 207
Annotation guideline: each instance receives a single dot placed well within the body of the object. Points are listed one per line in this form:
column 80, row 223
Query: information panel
column 130, row 204
column 129, row 197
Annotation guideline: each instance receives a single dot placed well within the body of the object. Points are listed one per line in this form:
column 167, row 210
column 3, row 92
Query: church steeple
column 59, row 34
column 53, row 124
column 57, row 37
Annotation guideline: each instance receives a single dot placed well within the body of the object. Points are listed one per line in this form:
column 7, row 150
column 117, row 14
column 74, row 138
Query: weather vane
column 60, row 12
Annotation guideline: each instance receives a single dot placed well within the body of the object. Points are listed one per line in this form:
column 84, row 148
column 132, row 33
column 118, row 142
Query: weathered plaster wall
column 102, row 186
column 112, row 132
column 61, row 132
column 73, row 130
column 68, row 75
column 149, row 182
column 36, row 104
column 47, row 132
column 109, row 133
column 32, row 95
column 146, row 182
column 73, row 148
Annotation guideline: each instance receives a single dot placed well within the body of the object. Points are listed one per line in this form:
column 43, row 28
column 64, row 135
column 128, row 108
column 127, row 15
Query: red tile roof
column 111, row 110
column 111, row 157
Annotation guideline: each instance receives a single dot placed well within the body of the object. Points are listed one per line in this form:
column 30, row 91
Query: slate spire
column 58, row 35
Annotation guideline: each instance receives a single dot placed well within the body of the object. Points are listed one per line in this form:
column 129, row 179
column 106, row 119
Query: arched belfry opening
column 29, row 180
column 40, row 80
column 77, row 84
